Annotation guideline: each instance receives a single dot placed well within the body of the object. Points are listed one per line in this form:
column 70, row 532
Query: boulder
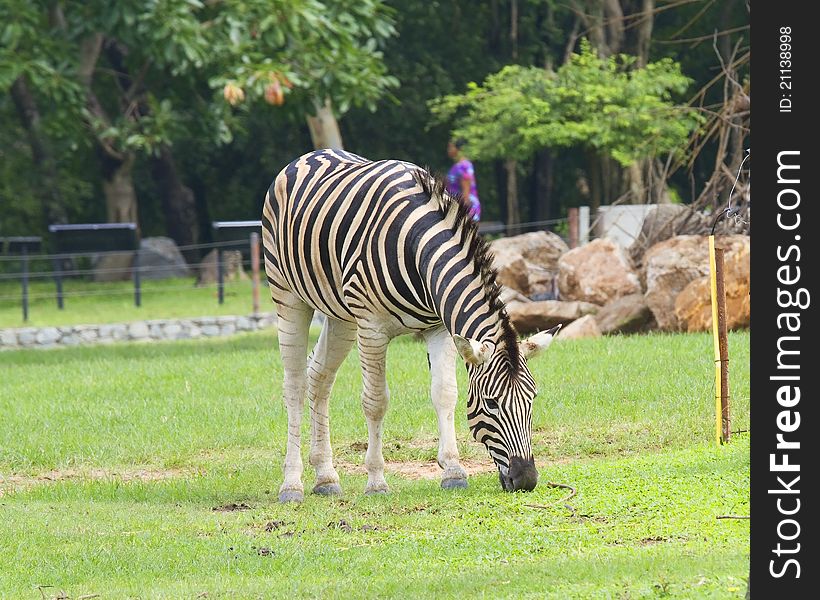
column 511, row 297
column 512, row 271
column 693, row 305
column 671, row 265
column 627, row 314
column 231, row 265
column 528, row 262
column 542, row 248
column 161, row 259
column 597, row 272
column 530, row 317
column 585, row 327
column 113, row 266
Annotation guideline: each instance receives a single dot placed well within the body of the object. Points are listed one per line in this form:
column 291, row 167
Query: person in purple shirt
column 461, row 178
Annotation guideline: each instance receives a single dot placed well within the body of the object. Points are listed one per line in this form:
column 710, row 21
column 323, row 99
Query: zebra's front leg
column 293, row 322
column 334, row 343
column 444, row 393
column 375, row 395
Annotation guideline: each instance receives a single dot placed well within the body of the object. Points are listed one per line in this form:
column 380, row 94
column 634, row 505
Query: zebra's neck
column 456, row 266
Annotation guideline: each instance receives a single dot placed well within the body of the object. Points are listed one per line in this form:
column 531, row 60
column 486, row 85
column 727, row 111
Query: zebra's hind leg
column 444, row 393
column 375, row 395
column 293, row 323
column 334, row 343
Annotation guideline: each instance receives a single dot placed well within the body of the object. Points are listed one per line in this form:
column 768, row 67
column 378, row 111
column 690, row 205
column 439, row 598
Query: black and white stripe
column 381, row 246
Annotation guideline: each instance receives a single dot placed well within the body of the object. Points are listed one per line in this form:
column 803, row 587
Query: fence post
column 572, row 218
column 25, row 283
column 58, row 278
column 220, row 286
column 255, row 271
column 721, row 347
column 583, row 225
column 136, row 269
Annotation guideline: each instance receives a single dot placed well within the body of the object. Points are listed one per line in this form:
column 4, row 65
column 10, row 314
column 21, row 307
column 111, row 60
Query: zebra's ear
column 472, row 351
column 538, row 342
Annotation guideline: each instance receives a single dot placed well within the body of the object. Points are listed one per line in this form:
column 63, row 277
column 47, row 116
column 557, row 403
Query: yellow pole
column 716, row 339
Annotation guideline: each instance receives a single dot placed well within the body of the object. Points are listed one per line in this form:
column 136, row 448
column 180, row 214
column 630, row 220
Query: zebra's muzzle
column 521, row 475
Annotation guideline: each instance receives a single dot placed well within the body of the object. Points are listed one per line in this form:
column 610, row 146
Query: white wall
column 621, row 223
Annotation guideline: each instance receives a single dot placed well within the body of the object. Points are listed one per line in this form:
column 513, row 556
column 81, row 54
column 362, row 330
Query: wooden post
column 255, row 271
column 723, row 345
column 721, row 349
column 572, row 218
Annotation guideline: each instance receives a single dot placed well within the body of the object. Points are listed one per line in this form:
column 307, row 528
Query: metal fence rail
column 63, row 263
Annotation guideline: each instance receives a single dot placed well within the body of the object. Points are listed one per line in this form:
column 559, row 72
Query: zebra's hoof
column 286, row 496
column 328, row 489
column 453, row 484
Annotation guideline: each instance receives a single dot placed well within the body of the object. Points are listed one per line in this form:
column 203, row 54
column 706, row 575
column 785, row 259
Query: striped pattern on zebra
column 381, row 250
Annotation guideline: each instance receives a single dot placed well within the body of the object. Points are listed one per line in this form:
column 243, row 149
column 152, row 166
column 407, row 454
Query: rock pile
column 601, row 288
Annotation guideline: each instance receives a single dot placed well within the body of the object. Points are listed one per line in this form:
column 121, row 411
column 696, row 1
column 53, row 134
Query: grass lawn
column 113, row 302
column 151, row 471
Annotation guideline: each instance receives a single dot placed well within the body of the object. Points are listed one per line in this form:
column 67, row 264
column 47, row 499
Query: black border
column 774, row 132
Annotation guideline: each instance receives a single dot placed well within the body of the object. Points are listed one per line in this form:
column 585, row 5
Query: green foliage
column 163, row 67
column 26, row 51
column 187, row 51
column 315, row 49
column 605, row 105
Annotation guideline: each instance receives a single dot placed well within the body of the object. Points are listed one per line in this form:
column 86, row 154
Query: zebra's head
column 499, row 404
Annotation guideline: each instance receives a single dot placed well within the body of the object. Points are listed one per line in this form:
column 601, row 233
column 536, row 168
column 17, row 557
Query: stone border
column 153, row 330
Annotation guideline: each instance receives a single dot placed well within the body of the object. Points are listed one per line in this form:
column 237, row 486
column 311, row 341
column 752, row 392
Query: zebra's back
column 340, row 233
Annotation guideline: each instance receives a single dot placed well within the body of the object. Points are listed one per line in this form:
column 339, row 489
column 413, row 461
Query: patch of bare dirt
column 347, row 528
column 231, row 507
column 418, row 469
column 9, row 483
column 655, row 539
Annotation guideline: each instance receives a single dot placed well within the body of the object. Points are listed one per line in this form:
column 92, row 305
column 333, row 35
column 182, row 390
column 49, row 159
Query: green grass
column 113, row 302
column 142, row 442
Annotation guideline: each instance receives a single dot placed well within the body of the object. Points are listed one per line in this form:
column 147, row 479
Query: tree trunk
column 324, row 129
column 635, row 182
column 500, row 189
column 514, row 29
column 595, row 187
column 736, row 134
column 614, row 22
column 542, row 196
column 178, row 203
column 513, row 219
column 51, row 199
column 592, row 15
column 118, row 188
column 494, row 38
column 116, row 166
column 643, row 32
column 121, row 207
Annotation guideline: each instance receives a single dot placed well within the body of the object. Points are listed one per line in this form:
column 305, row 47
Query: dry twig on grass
column 564, row 501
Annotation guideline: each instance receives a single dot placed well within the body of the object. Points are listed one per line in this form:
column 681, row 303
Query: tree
column 601, row 105
column 144, row 74
column 25, row 67
column 322, row 57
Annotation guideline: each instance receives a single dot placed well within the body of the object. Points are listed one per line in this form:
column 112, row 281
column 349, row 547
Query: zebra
column 380, row 249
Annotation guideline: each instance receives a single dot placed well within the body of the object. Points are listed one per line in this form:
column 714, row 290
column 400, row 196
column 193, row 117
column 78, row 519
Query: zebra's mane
column 478, row 250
